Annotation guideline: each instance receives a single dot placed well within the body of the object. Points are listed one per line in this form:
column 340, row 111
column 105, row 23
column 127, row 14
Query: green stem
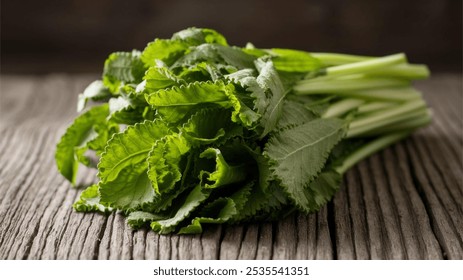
column 330, row 59
column 366, row 65
column 340, row 86
column 373, row 107
column 369, row 149
column 380, row 119
column 341, row 107
column 407, row 124
column 405, row 71
column 400, row 94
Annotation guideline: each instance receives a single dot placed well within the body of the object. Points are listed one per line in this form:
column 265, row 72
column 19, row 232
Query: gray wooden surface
column 403, row 203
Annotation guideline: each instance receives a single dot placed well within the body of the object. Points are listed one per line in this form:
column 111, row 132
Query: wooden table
column 403, row 203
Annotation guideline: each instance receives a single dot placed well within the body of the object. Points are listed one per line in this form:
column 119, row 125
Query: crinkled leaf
column 260, row 201
column 192, row 201
column 130, row 115
column 158, row 77
column 196, row 36
column 245, row 78
column 95, row 91
column 163, row 49
column 123, row 111
column 139, row 219
column 165, row 201
column 208, row 126
column 298, row 154
column 222, row 173
column 129, row 147
column 216, row 54
column 319, row 191
column 177, row 102
column 220, row 211
column 121, row 68
column 89, row 201
column 263, row 166
column 165, row 162
column 130, row 190
column 74, row 141
column 242, row 75
column 118, row 104
column 269, row 80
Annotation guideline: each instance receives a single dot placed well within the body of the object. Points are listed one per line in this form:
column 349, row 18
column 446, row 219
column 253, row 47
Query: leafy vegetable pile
column 192, row 131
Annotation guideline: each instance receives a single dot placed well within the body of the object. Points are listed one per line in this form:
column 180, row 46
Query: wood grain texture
column 402, row 203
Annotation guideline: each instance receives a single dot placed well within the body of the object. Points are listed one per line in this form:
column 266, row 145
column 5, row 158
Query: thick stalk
column 332, row 59
column 343, row 86
column 400, row 94
column 405, row 71
column 374, row 107
column 341, row 107
column 380, row 119
column 411, row 123
column 366, row 66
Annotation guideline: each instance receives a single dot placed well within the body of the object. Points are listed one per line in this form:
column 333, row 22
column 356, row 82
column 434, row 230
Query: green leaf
column 158, row 77
column 75, row 140
column 298, row 154
column 89, row 201
column 222, row 173
column 294, row 114
column 260, row 202
column 252, row 50
column 269, row 80
column 165, row 201
column 319, row 191
column 134, row 93
column 294, row 60
column 196, row 36
column 208, row 126
column 95, row 91
column 177, row 102
column 129, row 148
column 165, row 161
column 130, row 190
column 123, row 110
column 170, row 50
column 192, row 201
column 139, row 219
column 245, row 78
column 221, row 210
column 130, row 115
column 263, row 166
column 118, row 104
column 205, row 71
column 167, row 51
column 241, row 76
column 121, row 68
column 319, row 105
column 215, row 54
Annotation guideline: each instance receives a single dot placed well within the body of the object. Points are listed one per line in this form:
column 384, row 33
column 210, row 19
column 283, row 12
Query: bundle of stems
column 376, row 92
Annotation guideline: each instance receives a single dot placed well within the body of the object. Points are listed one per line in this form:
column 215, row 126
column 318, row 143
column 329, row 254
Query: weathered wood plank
column 416, row 217
column 403, row 203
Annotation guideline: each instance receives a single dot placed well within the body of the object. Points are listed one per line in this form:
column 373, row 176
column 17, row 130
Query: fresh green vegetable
column 192, row 131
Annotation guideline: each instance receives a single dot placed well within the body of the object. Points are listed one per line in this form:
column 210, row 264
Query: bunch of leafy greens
column 192, row 131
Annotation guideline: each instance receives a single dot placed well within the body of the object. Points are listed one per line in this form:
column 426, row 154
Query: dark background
column 77, row 35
